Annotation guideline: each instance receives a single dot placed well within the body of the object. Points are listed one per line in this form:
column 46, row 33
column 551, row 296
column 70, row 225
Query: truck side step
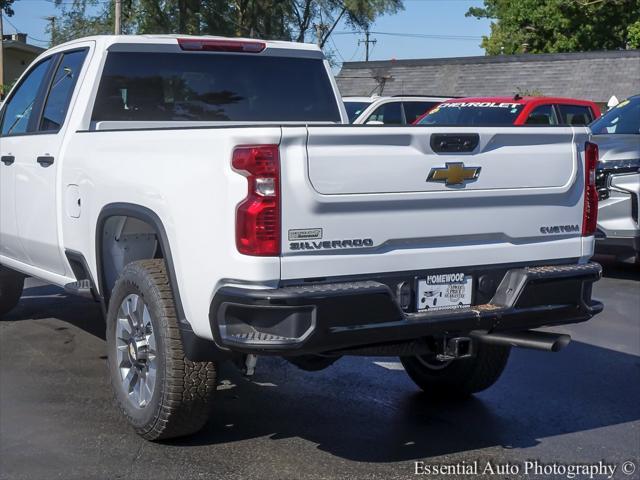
column 82, row 288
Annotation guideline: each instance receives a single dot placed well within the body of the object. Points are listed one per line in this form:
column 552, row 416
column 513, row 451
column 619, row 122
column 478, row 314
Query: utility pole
column 366, row 42
column 52, row 28
column 1, row 57
column 320, row 27
column 118, row 21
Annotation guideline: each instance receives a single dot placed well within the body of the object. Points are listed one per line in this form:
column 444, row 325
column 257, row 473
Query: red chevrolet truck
column 514, row 110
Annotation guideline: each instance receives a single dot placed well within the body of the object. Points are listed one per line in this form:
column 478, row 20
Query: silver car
column 617, row 134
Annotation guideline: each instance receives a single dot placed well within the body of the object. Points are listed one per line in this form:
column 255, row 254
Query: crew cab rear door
column 35, row 145
column 383, row 199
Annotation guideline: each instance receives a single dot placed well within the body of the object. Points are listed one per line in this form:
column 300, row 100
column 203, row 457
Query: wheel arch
column 195, row 348
column 149, row 217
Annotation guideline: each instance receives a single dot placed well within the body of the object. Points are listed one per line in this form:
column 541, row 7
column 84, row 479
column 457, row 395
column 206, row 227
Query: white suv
column 400, row 110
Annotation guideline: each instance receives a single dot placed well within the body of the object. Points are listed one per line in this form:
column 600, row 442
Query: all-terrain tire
column 458, row 378
column 11, row 286
column 181, row 400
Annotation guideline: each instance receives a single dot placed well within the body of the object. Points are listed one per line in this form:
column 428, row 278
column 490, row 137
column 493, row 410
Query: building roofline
column 523, row 57
column 24, row 47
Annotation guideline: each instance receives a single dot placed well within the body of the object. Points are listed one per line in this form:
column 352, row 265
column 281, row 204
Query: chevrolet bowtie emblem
column 453, row 174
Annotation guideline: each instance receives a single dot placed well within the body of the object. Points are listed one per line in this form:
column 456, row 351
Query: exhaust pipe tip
column 561, row 342
column 547, row 341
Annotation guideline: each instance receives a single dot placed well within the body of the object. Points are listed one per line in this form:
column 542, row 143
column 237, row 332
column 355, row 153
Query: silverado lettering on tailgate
column 332, row 244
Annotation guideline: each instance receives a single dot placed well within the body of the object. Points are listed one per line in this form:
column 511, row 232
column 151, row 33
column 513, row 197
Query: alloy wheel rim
column 136, row 351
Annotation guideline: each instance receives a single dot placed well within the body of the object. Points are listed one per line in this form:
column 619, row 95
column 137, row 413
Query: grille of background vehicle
column 602, row 178
column 601, row 184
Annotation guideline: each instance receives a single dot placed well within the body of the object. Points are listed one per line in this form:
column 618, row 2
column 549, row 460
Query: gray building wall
column 17, row 57
column 592, row 76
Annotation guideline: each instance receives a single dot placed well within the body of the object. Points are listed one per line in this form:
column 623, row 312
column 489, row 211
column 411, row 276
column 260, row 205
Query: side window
column 412, row 110
column 64, row 81
column 20, row 105
column 575, row 114
column 389, row 114
column 542, row 115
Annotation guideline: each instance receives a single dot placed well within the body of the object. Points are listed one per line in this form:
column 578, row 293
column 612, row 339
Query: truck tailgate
column 359, row 200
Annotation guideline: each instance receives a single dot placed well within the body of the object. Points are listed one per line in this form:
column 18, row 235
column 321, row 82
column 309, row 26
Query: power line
column 432, row 36
column 355, row 53
column 415, row 35
column 18, row 31
column 373, row 48
column 67, row 2
column 337, row 49
column 46, row 42
column 6, row 19
column 366, row 42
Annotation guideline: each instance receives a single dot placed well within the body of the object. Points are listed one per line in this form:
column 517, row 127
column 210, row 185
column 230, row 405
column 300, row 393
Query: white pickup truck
column 207, row 193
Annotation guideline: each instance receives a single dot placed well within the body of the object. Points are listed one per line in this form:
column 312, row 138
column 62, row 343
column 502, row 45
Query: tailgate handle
column 454, row 142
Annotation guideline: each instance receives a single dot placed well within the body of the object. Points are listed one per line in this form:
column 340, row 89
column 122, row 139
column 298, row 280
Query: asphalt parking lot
column 360, row 418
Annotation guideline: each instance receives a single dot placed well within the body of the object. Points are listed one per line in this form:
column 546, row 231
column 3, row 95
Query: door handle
column 45, row 161
column 8, row 159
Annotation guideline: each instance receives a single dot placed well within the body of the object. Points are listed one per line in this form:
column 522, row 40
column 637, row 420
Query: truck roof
column 105, row 41
column 523, row 100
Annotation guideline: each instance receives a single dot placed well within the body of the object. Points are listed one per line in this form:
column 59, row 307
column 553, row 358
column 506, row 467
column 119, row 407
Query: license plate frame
column 447, row 291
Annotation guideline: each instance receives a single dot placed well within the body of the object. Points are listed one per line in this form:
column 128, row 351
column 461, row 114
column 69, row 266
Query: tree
column 80, row 18
column 358, row 15
column 5, row 6
column 265, row 18
column 541, row 26
column 269, row 19
column 633, row 35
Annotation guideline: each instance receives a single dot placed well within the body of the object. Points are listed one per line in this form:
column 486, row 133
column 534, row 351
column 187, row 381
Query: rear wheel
column 161, row 393
column 458, row 378
column 11, row 285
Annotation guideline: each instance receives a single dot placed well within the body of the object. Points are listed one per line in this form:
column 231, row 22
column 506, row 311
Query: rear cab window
column 355, row 109
column 473, row 113
column 543, row 115
column 414, row 110
column 575, row 114
column 182, row 86
column 388, row 114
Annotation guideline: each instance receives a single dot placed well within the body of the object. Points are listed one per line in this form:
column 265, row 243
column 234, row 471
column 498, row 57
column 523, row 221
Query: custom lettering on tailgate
column 559, row 229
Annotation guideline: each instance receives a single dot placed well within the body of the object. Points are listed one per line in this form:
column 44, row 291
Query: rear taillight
column 213, row 45
column 258, row 215
column 590, row 214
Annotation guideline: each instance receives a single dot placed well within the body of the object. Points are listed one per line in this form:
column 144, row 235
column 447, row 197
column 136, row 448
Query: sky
column 425, row 29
